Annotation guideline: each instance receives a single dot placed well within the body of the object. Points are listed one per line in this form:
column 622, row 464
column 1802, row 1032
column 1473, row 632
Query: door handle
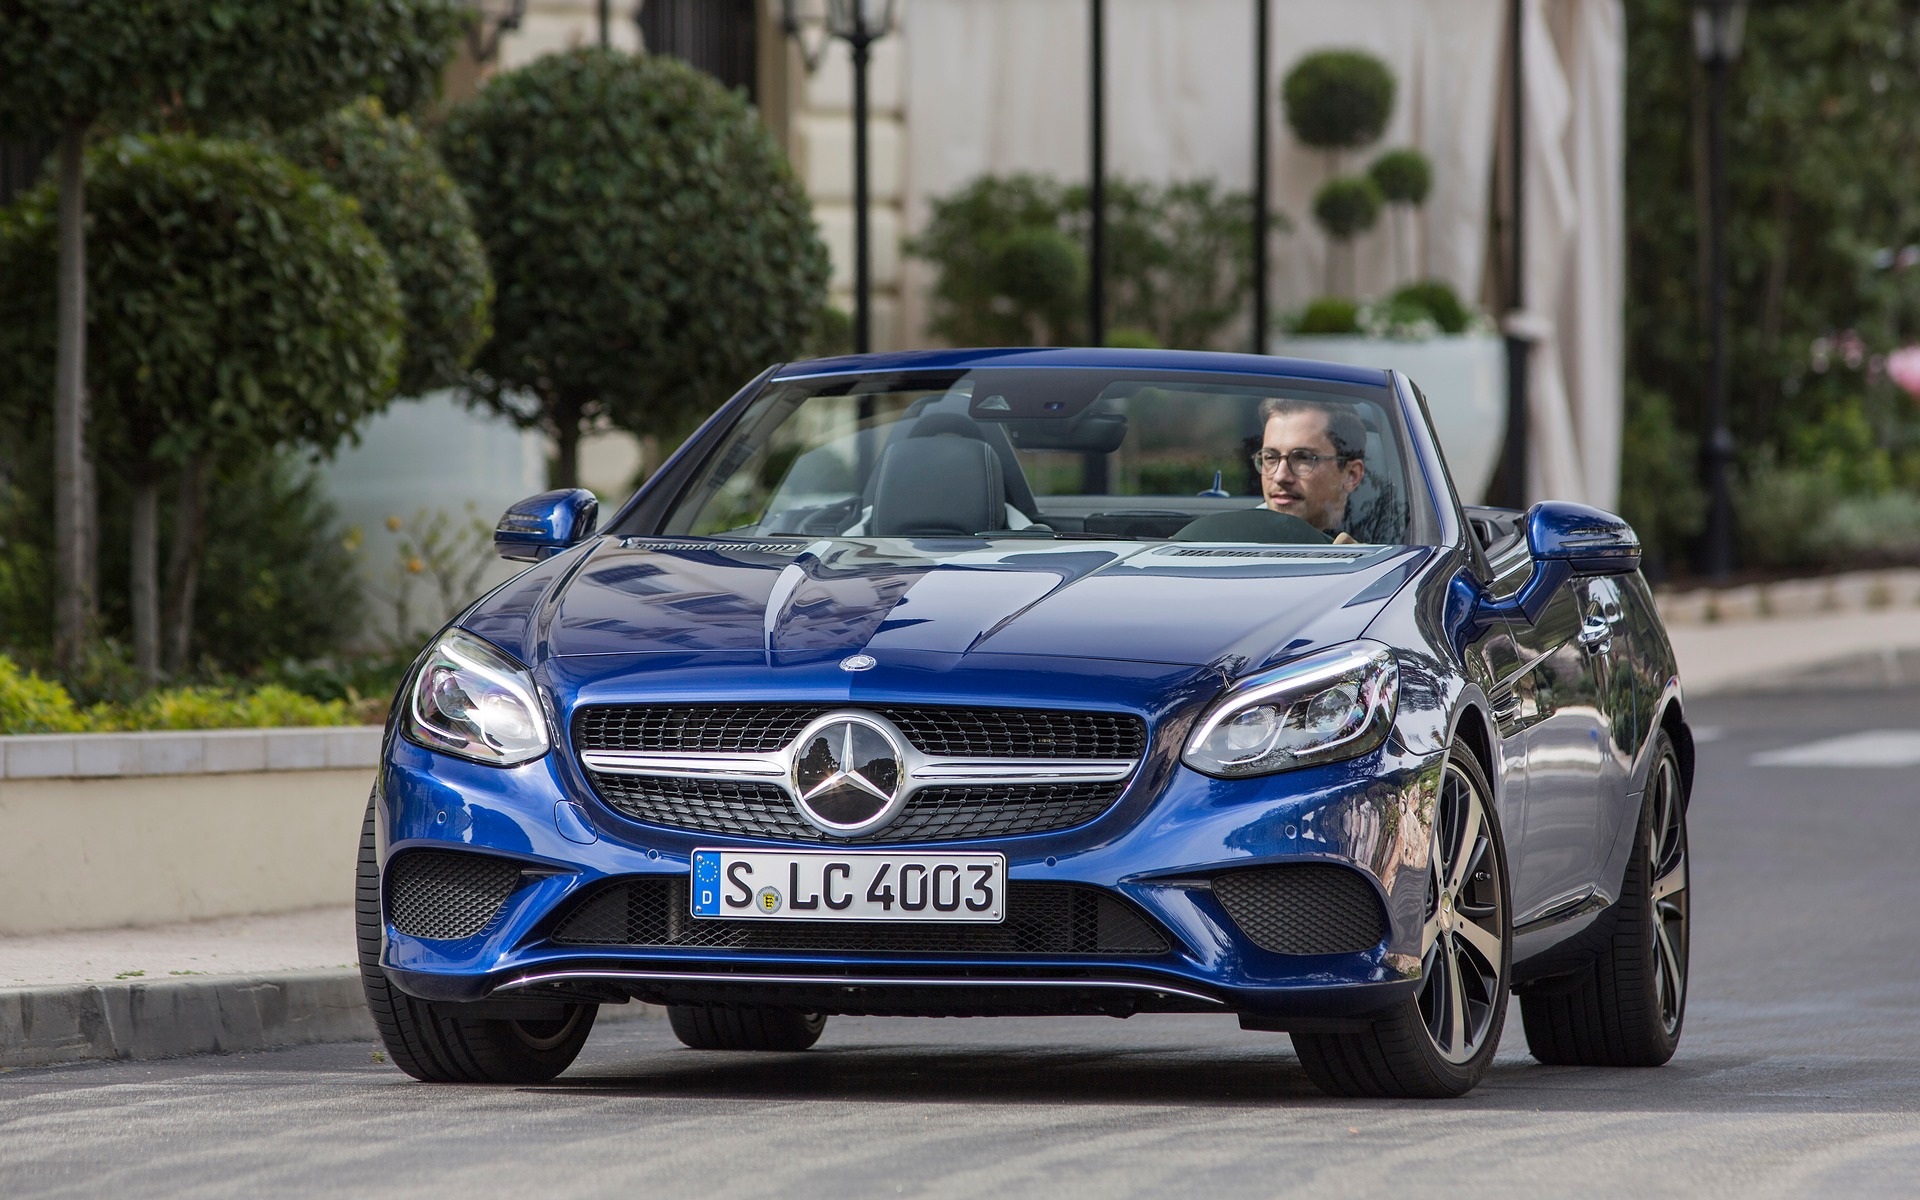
column 1597, row 635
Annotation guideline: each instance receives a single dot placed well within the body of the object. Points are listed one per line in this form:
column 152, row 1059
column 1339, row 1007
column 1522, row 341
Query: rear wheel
column 1440, row 1041
column 1627, row 1012
column 436, row 1042
column 750, row 1027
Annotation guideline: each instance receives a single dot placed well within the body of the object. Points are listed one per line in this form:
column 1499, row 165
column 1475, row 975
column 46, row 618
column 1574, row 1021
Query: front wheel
column 1439, row 1042
column 435, row 1042
column 1627, row 1011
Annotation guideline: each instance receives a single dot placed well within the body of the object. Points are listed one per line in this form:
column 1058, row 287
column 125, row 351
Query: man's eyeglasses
column 1301, row 462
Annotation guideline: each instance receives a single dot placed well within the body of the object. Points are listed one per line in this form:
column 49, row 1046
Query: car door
column 1573, row 768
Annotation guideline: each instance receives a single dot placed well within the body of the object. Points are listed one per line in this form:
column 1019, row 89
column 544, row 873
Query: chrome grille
column 761, row 728
column 760, row 807
column 1042, row 918
column 931, row 815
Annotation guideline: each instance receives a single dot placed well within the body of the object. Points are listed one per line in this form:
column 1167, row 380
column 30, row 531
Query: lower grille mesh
column 446, row 894
column 1303, row 909
column 932, row 814
column 1042, row 918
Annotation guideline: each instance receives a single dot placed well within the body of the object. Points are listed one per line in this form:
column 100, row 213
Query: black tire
column 1629, row 1009
column 1439, row 1042
column 435, row 1042
column 717, row 1027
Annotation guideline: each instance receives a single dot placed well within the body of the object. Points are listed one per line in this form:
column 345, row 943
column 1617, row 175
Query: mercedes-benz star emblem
column 859, row 662
column 847, row 772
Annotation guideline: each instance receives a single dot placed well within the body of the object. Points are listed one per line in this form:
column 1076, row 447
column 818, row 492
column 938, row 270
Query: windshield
column 1061, row 453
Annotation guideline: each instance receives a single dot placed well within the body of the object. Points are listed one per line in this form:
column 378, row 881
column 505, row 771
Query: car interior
column 967, row 461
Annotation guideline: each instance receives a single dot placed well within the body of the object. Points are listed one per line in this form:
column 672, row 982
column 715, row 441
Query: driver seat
column 938, row 487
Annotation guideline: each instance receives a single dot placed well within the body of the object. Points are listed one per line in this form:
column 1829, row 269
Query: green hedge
column 30, row 704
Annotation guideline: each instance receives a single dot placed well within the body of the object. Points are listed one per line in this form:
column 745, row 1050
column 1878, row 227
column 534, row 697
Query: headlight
column 472, row 701
column 1317, row 709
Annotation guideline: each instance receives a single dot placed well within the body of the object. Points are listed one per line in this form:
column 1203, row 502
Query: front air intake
column 1042, row 918
column 1307, row 908
column 447, row 894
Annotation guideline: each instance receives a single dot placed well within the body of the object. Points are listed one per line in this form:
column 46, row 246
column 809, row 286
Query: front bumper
column 1159, row 848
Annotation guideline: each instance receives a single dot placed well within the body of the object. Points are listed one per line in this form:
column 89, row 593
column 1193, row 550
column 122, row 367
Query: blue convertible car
column 977, row 683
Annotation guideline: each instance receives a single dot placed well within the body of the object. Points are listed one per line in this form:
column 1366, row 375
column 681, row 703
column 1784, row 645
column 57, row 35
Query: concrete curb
column 145, row 1019
column 1852, row 592
column 164, row 1018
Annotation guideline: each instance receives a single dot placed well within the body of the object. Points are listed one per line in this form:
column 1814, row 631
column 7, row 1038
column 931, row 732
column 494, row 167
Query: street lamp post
column 1718, row 27
column 858, row 23
column 1097, row 178
column 1262, row 203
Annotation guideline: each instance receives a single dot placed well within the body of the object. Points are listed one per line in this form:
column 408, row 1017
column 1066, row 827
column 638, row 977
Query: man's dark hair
column 1344, row 430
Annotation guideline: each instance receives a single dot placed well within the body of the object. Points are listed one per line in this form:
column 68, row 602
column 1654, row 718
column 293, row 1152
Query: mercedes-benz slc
column 1029, row 682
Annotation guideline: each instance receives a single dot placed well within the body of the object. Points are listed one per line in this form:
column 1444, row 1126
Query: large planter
column 1464, row 378
column 99, row 830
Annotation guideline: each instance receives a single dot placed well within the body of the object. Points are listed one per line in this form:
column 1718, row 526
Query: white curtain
column 1576, row 266
column 1001, row 86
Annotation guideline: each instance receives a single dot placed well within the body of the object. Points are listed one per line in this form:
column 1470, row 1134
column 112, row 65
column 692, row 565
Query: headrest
column 938, row 486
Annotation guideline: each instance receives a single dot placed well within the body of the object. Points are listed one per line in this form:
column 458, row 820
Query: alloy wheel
column 1667, row 860
column 1463, row 944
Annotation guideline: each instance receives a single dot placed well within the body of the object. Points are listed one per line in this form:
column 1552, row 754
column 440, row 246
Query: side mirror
column 544, row 525
column 1589, row 541
column 1566, row 541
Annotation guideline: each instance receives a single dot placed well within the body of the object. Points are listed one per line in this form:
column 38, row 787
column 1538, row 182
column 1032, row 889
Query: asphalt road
column 1799, row 1073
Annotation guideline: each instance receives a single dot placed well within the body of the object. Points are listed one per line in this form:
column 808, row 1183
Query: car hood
column 791, row 603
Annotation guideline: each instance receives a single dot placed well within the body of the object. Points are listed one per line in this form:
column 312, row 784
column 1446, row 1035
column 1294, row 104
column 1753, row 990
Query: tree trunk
column 566, row 444
column 73, row 516
column 144, row 581
column 183, row 564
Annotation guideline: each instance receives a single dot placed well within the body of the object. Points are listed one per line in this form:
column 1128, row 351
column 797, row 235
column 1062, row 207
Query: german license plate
column 850, row 886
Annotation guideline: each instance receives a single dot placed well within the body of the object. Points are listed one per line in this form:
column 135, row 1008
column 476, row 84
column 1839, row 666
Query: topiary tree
column 239, row 305
column 1345, row 208
column 1338, row 100
column 422, row 220
column 650, row 246
column 65, row 67
column 1404, row 178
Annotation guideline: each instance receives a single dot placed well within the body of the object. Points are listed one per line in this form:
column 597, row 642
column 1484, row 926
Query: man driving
column 1310, row 461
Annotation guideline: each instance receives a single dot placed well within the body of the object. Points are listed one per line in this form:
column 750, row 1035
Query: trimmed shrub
column 1347, row 207
column 1403, row 176
column 1329, row 315
column 650, row 246
column 1132, row 339
column 1438, row 301
column 1338, row 99
column 1177, row 263
column 30, row 704
column 421, row 218
column 269, row 707
column 1045, row 272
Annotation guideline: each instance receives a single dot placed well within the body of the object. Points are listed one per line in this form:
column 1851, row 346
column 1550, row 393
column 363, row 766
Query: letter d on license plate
column 850, row 886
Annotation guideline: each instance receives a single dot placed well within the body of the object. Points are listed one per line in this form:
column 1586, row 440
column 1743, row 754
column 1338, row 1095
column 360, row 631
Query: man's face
column 1320, row 497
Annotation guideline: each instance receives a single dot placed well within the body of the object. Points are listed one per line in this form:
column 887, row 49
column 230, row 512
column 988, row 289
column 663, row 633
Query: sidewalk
column 246, row 983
